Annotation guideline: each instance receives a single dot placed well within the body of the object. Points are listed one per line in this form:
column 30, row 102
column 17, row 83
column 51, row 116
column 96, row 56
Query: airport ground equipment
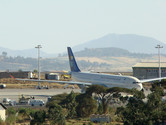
column 52, row 76
column 36, row 102
column 6, row 100
column 24, row 100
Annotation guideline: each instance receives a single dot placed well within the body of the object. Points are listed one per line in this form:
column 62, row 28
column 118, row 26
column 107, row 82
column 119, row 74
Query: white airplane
column 85, row 79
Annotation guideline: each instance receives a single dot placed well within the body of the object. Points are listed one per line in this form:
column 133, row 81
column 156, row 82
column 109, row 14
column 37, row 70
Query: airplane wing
column 150, row 80
column 55, row 81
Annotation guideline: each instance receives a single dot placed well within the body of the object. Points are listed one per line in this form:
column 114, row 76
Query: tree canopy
column 142, row 112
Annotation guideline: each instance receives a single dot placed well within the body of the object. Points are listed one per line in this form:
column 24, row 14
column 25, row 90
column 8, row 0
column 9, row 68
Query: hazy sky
column 56, row 24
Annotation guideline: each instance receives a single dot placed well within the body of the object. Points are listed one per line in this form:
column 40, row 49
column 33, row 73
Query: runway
column 43, row 94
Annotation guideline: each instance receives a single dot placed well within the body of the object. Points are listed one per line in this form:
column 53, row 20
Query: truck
column 36, row 102
column 24, row 100
column 52, row 76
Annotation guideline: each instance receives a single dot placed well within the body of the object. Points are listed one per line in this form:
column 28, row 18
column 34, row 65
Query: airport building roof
column 150, row 65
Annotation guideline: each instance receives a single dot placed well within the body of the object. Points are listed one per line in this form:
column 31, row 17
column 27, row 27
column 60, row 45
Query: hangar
column 148, row 70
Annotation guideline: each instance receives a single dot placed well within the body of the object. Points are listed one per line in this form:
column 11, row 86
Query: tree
column 35, row 71
column 104, row 95
column 26, row 113
column 155, row 105
column 70, row 104
column 133, row 113
column 139, row 112
column 56, row 115
column 86, row 105
column 39, row 117
column 161, row 83
column 58, row 99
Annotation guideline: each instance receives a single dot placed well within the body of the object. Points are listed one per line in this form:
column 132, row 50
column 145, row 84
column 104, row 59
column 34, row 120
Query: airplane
column 83, row 79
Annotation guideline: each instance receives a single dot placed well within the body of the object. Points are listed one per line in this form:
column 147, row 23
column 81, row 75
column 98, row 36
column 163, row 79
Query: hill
column 109, row 52
column 131, row 42
column 97, row 60
column 111, row 59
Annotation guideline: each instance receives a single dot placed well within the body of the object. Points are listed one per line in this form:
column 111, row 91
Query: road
column 43, row 94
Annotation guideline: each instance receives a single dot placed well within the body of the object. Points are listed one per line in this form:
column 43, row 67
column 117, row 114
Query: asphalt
column 43, row 94
column 15, row 94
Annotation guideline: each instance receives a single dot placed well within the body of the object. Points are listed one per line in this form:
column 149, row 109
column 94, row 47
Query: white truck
column 36, row 102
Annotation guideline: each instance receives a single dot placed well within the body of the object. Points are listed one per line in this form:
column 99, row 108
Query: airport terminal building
column 148, row 70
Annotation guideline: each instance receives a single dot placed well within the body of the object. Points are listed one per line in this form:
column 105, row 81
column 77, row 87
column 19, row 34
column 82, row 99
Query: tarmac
column 44, row 94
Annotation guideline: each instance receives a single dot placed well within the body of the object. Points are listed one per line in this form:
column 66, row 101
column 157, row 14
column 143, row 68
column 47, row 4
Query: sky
column 56, row 24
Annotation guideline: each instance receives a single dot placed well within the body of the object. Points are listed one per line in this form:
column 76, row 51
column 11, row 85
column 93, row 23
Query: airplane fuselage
column 107, row 80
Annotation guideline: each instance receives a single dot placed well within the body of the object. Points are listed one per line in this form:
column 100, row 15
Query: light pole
column 38, row 47
column 159, row 47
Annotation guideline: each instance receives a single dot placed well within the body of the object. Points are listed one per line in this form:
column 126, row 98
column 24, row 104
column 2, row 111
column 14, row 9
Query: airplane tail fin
column 72, row 61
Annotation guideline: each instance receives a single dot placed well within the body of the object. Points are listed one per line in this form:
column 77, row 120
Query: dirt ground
column 12, row 83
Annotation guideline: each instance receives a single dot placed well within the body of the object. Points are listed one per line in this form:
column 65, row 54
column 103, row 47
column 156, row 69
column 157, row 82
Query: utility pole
column 159, row 47
column 38, row 47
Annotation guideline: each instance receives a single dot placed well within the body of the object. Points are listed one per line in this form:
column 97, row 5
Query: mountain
column 25, row 53
column 131, row 42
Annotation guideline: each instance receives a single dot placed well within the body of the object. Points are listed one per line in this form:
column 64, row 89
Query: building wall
column 2, row 113
column 148, row 73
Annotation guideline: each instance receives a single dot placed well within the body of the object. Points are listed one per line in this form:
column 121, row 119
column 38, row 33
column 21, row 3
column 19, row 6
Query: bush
column 11, row 111
column 86, row 105
column 39, row 117
column 56, row 115
column 11, row 119
column 2, row 122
